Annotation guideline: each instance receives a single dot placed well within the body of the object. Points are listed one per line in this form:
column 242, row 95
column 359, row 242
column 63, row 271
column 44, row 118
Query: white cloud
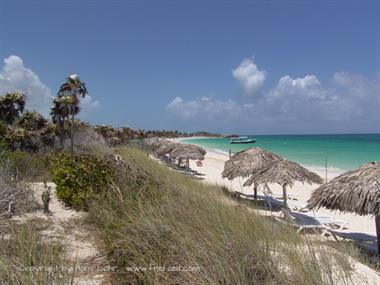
column 249, row 76
column 308, row 85
column 203, row 108
column 16, row 77
column 348, row 103
column 346, row 99
column 88, row 106
column 178, row 101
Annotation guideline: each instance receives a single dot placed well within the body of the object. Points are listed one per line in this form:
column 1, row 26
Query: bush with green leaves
column 19, row 165
column 80, row 178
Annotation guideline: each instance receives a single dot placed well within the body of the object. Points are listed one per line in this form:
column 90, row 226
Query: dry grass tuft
column 27, row 258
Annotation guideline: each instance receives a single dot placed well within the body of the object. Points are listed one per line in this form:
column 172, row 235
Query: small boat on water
column 242, row 140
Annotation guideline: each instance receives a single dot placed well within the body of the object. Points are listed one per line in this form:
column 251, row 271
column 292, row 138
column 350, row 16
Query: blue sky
column 224, row 66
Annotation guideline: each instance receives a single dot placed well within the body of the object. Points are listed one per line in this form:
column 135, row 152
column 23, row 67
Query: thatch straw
column 165, row 147
column 245, row 163
column 196, row 147
column 153, row 142
column 188, row 151
column 354, row 191
column 283, row 172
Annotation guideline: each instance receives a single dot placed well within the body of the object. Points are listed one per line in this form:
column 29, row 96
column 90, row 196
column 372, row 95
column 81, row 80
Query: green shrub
column 80, row 178
column 24, row 166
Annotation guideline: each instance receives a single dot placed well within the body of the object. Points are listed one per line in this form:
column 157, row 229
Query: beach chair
column 278, row 201
column 273, row 202
column 369, row 247
column 300, row 224
column 342, row 234
column 326, row 220
column 365, row 242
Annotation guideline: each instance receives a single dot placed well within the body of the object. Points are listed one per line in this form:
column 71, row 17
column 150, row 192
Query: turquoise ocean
column 339, row 151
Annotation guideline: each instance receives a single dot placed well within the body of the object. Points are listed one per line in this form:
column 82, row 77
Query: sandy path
column 68, row 227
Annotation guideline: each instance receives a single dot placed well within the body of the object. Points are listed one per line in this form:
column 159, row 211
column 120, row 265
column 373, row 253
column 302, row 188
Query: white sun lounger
column 301, row 224
column 364, row 241
column 350, row 235
column 320, row 218
column 271, row 202
column 369, row 247
column 310, row 220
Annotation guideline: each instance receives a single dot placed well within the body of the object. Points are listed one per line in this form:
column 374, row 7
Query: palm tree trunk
column 72, row 133
column 12, row 115
column 62, row 132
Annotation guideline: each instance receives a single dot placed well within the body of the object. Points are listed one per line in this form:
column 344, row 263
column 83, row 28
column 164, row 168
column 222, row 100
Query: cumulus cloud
column 347, row 99
column 308, row 85
column 348, row 103
column 203, row 108
column 16, row 77
column 88, row 106
column 249, row 76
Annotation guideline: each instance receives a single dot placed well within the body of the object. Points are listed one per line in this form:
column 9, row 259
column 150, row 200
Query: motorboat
column 242, row 140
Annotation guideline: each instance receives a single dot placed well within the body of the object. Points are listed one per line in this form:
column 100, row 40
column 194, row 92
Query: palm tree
column 68, row 102
column 60, row 112
column 11, row 106
column 47, row 134
column 22, row 139
column 32, row 121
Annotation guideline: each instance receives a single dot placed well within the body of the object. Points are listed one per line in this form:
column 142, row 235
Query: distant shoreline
column 332, row 171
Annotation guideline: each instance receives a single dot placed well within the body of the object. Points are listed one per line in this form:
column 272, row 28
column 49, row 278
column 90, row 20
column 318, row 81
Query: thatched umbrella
column 153, row 143
column 355, row 191
column 165, row 147
column 285, row 173
column 247, row 162
column 188, row 151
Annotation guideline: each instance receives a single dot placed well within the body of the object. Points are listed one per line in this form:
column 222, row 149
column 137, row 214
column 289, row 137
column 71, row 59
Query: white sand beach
column 213, row 166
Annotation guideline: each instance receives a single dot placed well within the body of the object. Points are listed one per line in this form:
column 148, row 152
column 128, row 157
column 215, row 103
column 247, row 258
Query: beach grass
column 181, row 231
column 26, row 257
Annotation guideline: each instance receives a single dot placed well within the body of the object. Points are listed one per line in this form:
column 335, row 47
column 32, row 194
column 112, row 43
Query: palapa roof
column 283, row 172
column 246, row 162
column 165, row 147
column 153, row 142
column 188, row 151
column 356, row 191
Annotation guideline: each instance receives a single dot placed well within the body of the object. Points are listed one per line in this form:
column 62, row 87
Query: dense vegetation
column 29, row 131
